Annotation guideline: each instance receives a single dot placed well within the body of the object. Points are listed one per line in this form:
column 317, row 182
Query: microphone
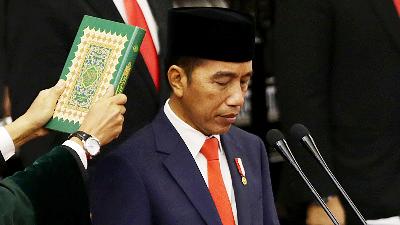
column 276, row 139
column 301, row 133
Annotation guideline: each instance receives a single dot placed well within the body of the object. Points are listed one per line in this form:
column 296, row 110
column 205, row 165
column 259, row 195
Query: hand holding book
column 105, row 118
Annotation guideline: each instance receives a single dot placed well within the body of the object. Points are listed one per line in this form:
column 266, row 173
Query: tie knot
column 210, row 149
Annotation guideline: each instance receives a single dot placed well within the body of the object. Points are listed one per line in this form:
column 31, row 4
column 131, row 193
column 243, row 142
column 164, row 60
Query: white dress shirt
column 148, row 16
column 7, row 147
column 79, row 150
column 194, row 140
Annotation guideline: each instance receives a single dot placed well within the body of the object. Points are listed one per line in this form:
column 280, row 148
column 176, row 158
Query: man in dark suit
column 52, row 191
column 190, row 165
column 39, row 35
column 337, row 65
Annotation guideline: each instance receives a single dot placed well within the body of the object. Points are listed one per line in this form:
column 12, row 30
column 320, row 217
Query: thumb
column 58, row 88
column 52, row 94
column 110, row 91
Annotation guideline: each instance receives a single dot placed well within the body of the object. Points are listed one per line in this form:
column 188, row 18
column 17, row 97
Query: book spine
column 128, row 60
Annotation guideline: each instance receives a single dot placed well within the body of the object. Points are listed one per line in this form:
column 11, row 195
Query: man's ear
column 177, row 79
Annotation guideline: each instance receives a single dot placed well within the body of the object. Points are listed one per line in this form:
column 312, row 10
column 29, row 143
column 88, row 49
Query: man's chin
column 222, row 130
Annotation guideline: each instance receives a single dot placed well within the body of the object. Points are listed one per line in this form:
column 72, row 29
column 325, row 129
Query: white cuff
column 388, row 221
column 7, row 147
column 78, row 149
column 5, row 121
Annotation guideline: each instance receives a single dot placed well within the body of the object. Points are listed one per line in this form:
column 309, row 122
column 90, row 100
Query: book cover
column 103, row 53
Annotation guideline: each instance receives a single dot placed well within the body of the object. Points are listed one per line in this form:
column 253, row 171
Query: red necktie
column 216, row 183
column 397, row 5
column 147, row 49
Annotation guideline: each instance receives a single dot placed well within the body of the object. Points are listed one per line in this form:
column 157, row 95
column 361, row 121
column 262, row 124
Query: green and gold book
column 102, row 53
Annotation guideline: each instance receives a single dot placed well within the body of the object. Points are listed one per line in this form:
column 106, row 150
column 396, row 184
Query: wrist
column 77, row 140
column 81, row 144
column 89, row 143
column 19, row 130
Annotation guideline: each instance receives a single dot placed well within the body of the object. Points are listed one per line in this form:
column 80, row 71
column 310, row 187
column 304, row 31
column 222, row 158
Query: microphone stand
column 308, row 141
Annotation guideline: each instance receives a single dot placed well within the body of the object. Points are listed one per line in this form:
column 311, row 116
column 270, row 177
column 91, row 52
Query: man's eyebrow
column 224, row 74
column 229, row 74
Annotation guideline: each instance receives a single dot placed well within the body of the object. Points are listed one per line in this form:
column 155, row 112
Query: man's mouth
column 230, row 118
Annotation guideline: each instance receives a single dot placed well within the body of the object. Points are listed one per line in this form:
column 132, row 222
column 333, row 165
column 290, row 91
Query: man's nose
column 236, row 96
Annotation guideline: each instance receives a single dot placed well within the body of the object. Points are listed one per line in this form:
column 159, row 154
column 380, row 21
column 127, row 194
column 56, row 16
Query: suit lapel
column 242, row 193
column 386, row 11
column 141, row 68
column 184, row 170
column 160, row 13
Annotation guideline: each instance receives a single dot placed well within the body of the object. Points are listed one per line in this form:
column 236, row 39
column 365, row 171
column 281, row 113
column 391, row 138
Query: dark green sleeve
column 55, row 186
column 15, row 206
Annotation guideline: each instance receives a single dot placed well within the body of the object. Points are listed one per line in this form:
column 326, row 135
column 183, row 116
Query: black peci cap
column 210, row 33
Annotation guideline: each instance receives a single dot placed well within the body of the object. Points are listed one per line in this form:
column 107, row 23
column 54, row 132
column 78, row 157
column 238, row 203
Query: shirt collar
column 193, row 138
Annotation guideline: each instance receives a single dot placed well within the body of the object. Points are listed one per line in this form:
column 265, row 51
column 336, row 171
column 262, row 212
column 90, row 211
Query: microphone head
column 298, row 131
column 274, row 136
column 301, row 133
column 276, row 139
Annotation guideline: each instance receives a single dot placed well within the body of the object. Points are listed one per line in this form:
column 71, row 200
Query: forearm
column 21, row 131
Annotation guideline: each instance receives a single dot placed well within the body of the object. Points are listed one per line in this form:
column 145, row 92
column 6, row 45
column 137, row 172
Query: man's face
column 213, row 97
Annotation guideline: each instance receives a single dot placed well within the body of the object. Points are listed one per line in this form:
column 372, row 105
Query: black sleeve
column 2, row 54
column 56, row 188
column 303, row 37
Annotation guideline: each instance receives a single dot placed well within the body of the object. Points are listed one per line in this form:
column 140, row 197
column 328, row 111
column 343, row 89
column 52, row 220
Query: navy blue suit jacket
column 153, row 179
